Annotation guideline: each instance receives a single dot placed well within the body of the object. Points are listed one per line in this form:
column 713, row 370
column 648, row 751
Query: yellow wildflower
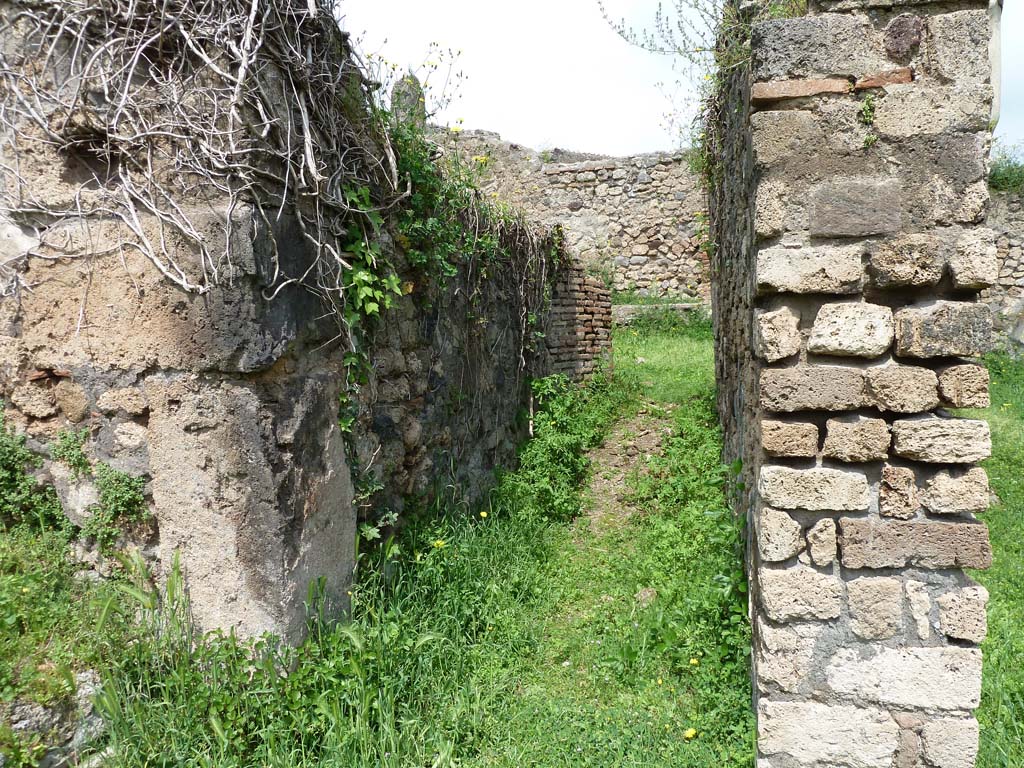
column 690, row 733
column 439, row 543
column 455, row 129
column 694, row 662
column 483, row 513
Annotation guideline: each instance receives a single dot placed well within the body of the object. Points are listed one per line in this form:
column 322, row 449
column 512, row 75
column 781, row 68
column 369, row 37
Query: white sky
column 552, row 73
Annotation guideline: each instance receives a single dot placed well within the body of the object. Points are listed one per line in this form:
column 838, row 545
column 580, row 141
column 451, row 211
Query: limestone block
column 855, row 208
column 958, row 46
column 779, row 536
column 799, row 593
column 909, row 110
column 130, row 400
column 943, row 441
column 908, row 260
column 812, row 387
column 962, row 614
column 944, row 328
column 857, row 438
column 902, row 388
column 789, row 439
column 873, row 543
column 72, row 400
column 951, row 493
column 965, row 386
column 35, row 400
column 951, row 742
column 920, row 608
column 821, row 269
column 828, row 45
column 876, row 606
column 903, row 35
column 813, row 734
column 821, row 541
column 816, row 489
column 780, row 135
column 770, row 208
column 974, row 263
column 784, row 654
column 897, row 493
column 778, row 90
column 777, row 334
column 927, row 678
column 851, row 329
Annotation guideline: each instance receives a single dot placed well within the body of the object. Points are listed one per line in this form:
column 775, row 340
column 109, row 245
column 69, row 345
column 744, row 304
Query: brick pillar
column 869, row 126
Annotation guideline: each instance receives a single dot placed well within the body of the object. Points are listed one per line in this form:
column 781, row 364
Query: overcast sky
column 552, row 73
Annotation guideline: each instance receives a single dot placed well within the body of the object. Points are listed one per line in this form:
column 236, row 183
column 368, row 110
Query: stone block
column 72, row 400
column 780, row 135
column 851, row 329
column 943, row 441
column 903, row 36
column 821, row 541
column 857, row 438
column 902, row 388
column 943, row 678
column 856, row 208
column 814, row 734
column 974, row 263
column 816, row 489
column 823, row 46
column 897, row 493
column 821, row 269
column 920, row 608
column 910, row 111
column 958, row 46
column 789, row 439
column 908, row 260
column 876, row 606
column 964, row 386
column 34, row 400
column 779, row 536
column 951, row 742
column 130, row 400
column 778, row 90
column 962, row 614
column 789, row 594
column 784, row 654
column 944, row 328
column 813, row 387
column 777, row 334
column 874, row 543
column 950, row 493
column 882, row 79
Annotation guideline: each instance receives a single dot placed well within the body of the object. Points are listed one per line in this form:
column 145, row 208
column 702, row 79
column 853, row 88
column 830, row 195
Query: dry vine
column 250, row 107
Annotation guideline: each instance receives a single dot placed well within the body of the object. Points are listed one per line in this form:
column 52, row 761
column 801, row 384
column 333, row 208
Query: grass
column 1007, row 170
column 1002, row 706
column 648, row 300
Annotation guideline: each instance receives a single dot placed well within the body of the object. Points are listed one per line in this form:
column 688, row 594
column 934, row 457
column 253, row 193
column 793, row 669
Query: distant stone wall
column 848, row 322
column 579, row 335
column 1006, row 297
column 637, row 220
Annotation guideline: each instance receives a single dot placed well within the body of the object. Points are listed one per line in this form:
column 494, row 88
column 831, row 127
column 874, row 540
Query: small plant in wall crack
column 866, row 115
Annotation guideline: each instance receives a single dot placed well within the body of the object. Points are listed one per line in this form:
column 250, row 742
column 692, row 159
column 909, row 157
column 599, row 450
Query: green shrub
column 22, row 498
column 1007, row 170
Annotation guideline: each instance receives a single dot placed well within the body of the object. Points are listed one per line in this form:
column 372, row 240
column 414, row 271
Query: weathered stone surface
column 903, row 36
column 789, row 439
column 897, row 493
column 876, row 606
column 816, row 489
column 785, row 654
column 965, row 386
column 777, row 334
column 920, row 608
column 927, row 678
column 955, row 494
column 851, row 329
column 944, row 328
column 908, row 110
column 779, row 135
column 812, row 387
column 814, row 47
column 799, row 593
column 872, row 543
column 857, row 438
column 943, row 441
column 951, row 742
column 882, row 79
column 974, row 263
column 822, row 269
column 130, row 400
column 908, row 260
column 779, row 536
column 962, row 614
column 958, row 46
column 72, row 400
column 35, row 400
column 902, row 388
column 855, row 207
column 816, row 735
column 778, row 90
column 821, row 541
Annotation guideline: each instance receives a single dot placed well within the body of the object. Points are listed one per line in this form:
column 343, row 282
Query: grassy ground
column 1002, row 707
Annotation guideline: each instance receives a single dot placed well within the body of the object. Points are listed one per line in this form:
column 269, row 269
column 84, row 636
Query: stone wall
column 848, row 323
column 637, row 220
column 1006, row 297
column 579, row 338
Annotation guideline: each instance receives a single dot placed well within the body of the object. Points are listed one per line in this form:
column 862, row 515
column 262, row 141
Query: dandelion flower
column 690, row 733
column 439, row 544
column 483, row 513
column 694, row 662
column 659, row 681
